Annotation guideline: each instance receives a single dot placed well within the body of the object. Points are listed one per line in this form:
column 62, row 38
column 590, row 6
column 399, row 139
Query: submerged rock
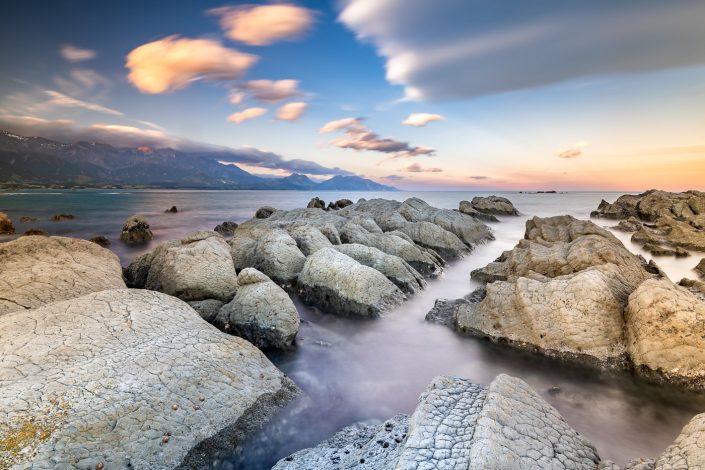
column 197, row 267
column 172, row 210
column 658, row 250
column 260, row 312
column 561, row 290
column 100, row 240
column 6, row 226
column 60, row 217
column 127, row 379
column 136, row 230
column 26, row 219
column 340, row 284
column 35, row 231
column 37, row 270
column 458, row 425
column 494, row 205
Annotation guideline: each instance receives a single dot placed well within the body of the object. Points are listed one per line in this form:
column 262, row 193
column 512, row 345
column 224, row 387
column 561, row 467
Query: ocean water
column 369, row 370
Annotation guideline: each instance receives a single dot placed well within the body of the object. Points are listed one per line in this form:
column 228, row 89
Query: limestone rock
column 458, row 425
column 466, row 208
column 494, row 205
column 197, row 267
column 260, row 312
column 6, row 227
column 127, row 379
column 632, row 224
column 394, row 268
column 37, row 270
column 309, row 239
column 687, row 451
column 658, row 250
column 272, row 251
column 208, row 309
column 340, row 284
column 136, row 230
column 665, row 331
column 700, row 268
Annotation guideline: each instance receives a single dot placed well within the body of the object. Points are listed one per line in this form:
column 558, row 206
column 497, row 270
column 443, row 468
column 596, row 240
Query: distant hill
column 39, row 161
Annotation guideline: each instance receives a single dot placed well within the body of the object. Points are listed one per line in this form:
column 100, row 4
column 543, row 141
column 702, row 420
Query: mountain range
column 40, row 161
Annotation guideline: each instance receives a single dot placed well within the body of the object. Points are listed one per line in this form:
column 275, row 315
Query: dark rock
column 226, row 229
column 6, row 227
column 658, row 250
column 101, row 240
column 316, row 203
column 265, row 212
column 25, row 219
column 60, row 217
column 339, row 204
column 35, row 231
column 172, row 210
column 136, row 230
column 632, row 224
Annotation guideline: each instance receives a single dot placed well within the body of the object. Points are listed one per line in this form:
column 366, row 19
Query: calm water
column 356, row 370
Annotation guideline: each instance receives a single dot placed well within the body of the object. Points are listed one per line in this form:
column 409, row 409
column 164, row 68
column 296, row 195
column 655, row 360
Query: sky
column 418, row 94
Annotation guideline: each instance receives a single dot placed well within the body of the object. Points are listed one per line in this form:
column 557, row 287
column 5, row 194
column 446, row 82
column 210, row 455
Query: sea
column 367, row 370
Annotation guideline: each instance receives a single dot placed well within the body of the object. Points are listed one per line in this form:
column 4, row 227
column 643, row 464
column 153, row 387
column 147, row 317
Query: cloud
column 573, row 152
column 271, row 91
column 451, row 49
column 172, row 63
column 291, row 111
column 127, row 136
column 358, row 137
column 76, row 54
column 236, row 97
column 247, row 114
column 421, row 119
column 479, row 177
column 261, row 25
column 60, row 99
column 81, row 82
column 416, row 168
column 393, row 178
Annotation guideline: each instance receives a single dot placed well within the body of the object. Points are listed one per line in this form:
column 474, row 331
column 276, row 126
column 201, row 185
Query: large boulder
column 562, row 290
column 6, row 226
column 316, row 203
column 260, row 312
column 197, row 267
column 459, row 425
column 393, row 267
column 687, row 451
column 127, row 379
column 308, row 238
column 37, row 270
column 700, row 268
column 466, row 208
column 136, row 230
column 665, row 332
column 270, row 250
column 494, row 205
column 339, row 284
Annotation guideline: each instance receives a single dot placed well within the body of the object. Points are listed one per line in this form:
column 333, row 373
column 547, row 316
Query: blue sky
column 527, row 95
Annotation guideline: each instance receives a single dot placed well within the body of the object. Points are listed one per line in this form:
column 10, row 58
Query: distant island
column 38, row 162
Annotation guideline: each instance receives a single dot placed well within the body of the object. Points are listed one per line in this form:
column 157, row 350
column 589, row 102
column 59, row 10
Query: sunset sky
column 419, row 94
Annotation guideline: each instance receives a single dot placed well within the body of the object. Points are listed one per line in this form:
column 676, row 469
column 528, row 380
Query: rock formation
column 6, row 226
column 100, row 240
column 172, row 210
column 60, row 217
column 136, row 230
column 700, row 268
column 494, row 205
column 226, row 229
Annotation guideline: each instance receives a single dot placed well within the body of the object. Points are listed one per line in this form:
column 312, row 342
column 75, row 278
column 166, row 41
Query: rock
column 494, row 205
column 273, row 252
column 309, row 239
column 226, row 229
column 264, row 212
column 37, row 270
column 6, row 227
column 208, row 309
column 339, row 284
column 260, row 312
column 197, row 267
column 25, row 219
column 136, row 230
column 458, row 425
column 700, row 268
column 112, row 378
column 172, row 210
column 562, row 290
column 632, row 224
column 60, row 217
column 623, row 208
column 466, row 208
column 658, row 250
column 316, row 203
column 665, row 332
column 35, row 231
column 339, row 204
column 687, row 451
column 100, row 240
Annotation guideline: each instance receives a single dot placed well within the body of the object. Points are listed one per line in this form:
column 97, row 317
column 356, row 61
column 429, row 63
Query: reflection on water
column 354, row 370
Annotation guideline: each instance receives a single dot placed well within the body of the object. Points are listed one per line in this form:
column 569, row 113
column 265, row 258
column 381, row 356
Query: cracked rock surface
column 37, row 270
column 339, row 283
column 688, row 450
column 126, row 379
column 260, row 312
column 562, row 290
column 197, row 267
column 458, row 425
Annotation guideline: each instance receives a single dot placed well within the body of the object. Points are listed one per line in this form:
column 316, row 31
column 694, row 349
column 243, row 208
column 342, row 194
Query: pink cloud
column 246, row 115
column 261, row 25
column 291, row 111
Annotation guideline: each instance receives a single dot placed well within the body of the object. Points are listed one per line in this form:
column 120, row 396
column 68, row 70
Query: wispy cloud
column 76, row 54
column 246, row 115
column 479, row 177
column 261, row 25
column 59, row 99
column 291, row 111
column 172, row 63
column 573, row 151
column 360, row 138
column 417, row 168
column 421, row 119
column 271, row 91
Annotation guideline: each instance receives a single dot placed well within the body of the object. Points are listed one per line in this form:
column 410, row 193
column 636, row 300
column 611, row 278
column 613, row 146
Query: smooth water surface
column 369, row 370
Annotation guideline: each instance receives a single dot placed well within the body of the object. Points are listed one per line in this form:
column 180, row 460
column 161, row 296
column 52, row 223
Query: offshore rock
column 136, row 230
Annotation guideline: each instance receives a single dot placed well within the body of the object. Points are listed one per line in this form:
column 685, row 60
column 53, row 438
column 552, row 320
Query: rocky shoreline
column 157, row 364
